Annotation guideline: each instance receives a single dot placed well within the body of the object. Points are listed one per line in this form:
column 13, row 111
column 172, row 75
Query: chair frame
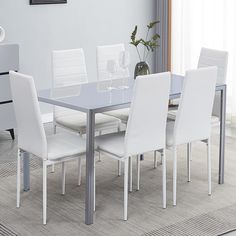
column 131, row 146
column 206, row 140
column 46, row 163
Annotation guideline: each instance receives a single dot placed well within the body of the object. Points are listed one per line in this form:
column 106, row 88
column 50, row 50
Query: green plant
column 149, row 43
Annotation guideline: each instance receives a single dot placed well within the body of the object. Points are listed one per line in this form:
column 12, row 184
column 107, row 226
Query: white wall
column 79, row 23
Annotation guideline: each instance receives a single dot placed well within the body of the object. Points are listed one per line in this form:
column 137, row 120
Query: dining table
column 102, row 96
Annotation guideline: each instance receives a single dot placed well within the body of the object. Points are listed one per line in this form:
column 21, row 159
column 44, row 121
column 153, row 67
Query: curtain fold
column 205, row 23
column 162, row 30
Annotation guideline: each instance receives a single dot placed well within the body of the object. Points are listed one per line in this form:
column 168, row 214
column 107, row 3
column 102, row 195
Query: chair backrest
column 193, row 119
column 210, row 57
column 146, row 128
column 106, row 53
column 68, row 69
column 31, row 134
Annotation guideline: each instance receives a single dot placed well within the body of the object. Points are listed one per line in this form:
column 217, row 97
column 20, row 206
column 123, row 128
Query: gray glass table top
column 100, row 96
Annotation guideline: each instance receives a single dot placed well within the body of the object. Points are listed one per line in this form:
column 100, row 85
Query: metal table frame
column 89, row 197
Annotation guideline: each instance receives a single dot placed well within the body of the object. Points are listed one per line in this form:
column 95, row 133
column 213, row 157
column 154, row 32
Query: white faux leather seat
column 32, row 139
column 210, row 57
column 112, row 52
column 214, row 119
column 122, row 114
column 78, row 122
column 112, row 143
column 63, row 145
column 146, row 129
column 193, row 122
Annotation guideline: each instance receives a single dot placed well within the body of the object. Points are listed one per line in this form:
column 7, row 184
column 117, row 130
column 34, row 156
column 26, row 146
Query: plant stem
column 138, row 54
column 148, row 54
column 144, row 50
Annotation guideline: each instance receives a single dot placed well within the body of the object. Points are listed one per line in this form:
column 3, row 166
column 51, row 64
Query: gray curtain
column 161, row 61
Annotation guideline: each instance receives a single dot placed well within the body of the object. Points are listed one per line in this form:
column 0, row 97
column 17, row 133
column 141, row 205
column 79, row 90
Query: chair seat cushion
column 66, row 144
column 112, row 143
column 172, row 115
column 122, row 114
column 77, row 122
column 170, row 130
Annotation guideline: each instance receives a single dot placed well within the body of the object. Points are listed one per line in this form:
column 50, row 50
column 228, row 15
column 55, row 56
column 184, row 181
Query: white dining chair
column 53, row 149
column 146, row 128
column 104, row 54
column 69, row 70
column 193, row 118
column 210, row 57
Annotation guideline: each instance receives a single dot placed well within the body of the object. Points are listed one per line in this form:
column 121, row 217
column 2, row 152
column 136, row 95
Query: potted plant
column 149, row 44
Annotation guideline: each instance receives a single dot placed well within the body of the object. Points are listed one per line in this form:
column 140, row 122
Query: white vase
column 2, row 34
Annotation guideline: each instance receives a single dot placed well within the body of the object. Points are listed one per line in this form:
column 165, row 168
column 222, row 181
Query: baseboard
column 47, row 118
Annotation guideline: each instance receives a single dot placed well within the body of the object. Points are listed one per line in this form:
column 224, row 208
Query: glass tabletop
column 99, row 96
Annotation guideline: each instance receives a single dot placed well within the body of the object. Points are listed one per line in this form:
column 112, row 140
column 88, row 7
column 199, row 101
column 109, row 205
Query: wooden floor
column 66, row 213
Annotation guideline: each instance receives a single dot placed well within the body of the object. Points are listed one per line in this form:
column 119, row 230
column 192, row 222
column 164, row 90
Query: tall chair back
column 31, row 134
column 68, row 70
column 193, row 119
column 68, row 67
column 106, row 53
column 146, row 128
column 210, row 57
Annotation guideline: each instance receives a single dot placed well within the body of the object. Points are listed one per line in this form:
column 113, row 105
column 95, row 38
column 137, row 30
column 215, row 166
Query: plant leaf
column 153, row 45
column 146, row 44
column 152, row 24
column 134, row 33
column 155, row 37
column 136, row 42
